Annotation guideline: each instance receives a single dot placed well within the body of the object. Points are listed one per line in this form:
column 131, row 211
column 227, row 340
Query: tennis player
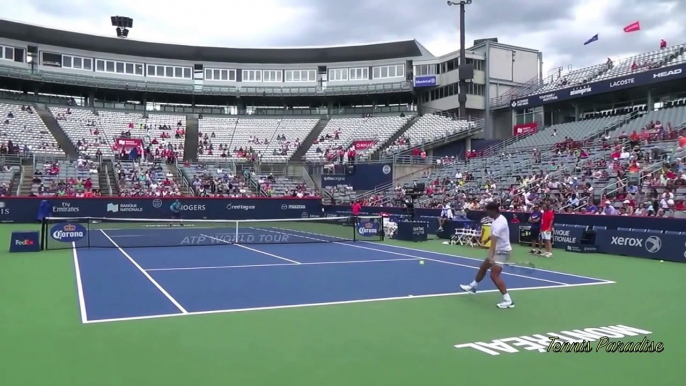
column 175, row 209
column 547, row 229
column 498, row 253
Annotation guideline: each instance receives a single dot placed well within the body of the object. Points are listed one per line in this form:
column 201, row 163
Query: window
column 425, row 69
column 220, row 74
column 386, row 72
column 77, row 63
column 111, row 66
column 6, row 53
column 252, row 76
column 272, row 76
column 167, row 71
column 338, row 74
column 301, row 76
column 359, row 73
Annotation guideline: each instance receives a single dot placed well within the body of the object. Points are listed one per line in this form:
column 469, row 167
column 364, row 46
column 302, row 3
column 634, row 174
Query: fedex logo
column 24, row 242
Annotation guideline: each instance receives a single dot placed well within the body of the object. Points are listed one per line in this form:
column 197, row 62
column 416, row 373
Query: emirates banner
column 363, row 145
column 525, row 129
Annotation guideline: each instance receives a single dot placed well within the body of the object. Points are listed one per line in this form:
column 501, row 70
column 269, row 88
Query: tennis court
column 301, row 303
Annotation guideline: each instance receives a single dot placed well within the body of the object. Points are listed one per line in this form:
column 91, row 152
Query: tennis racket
column 524, row 267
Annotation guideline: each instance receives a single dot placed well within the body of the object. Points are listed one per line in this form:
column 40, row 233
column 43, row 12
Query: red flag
column 635, row 26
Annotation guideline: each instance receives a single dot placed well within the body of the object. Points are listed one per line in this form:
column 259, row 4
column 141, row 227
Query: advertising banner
column 425, row 81
column 364, row 145
column 567, row 235
column 525, row 129
column 641, row 244
column 25, row 210
column 366, row 177
column 638, row 79
column 128, row 143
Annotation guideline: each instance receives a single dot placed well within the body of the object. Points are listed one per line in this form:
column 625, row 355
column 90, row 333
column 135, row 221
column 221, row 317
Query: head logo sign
column 368, row 228
column 68, row 232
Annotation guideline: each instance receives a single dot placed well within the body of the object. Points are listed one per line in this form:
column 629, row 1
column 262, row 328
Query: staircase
column 56, row 131
column 394, row 137
column 26, row 183
column 181, row 179
column 307, row 142
column 109, row 170
column 190, row 147
column 16, row 182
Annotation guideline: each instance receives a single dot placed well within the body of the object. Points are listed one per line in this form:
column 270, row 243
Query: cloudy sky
column 557, row 28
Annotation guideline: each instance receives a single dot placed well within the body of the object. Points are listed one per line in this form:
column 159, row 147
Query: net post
column 352, row 220
column 235, row 240
column 88, row 232
column 43, row 225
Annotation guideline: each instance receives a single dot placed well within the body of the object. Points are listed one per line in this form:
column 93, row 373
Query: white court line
column 475, row 259
column 279, row 265
column 147, row 275
column 79, row 285
column 408, row 297
column 253, row 249
column 456, row 256
column 434, row 260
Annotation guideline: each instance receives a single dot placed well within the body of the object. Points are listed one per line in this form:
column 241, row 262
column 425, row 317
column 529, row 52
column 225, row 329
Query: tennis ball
column 662, row 261
column 421, row 262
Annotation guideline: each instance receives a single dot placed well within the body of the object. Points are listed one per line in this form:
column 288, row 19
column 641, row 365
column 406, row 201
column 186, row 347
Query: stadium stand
column 212, row 180
column 246, row 139
column 610, row 69
column 429, row 127
column 83, row 128
column 340, row 134
column 146, row 179
column 66, row 179
column 280, row 186
column 25, row 131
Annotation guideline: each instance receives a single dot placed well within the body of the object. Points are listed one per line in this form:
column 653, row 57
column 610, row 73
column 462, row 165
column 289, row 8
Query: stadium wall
column 25, row 209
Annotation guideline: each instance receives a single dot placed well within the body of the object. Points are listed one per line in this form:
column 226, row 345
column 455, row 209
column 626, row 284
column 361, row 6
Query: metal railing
column 107, row 177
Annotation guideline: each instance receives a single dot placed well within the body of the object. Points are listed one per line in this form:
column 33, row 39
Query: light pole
column 462, row 95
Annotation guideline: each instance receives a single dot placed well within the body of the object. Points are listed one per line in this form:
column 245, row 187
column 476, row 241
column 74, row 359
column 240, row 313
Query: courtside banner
column 662, row 74
column 567, row 235
column 25, row 210
column 642, row 244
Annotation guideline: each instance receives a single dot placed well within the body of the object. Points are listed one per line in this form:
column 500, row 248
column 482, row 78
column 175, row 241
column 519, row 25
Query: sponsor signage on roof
column 425, row 81
column 604, row 86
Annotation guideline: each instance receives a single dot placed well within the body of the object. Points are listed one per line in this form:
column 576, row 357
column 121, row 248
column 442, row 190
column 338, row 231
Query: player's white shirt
column 501, row 230
column 447, row 212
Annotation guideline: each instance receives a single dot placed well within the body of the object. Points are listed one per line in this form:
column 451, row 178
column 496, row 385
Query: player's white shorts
column 546, row 235
column 502, row 257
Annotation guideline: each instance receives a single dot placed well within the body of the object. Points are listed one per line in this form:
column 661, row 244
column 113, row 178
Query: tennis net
column 89, row 232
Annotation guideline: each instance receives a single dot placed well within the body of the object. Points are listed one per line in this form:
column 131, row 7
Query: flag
column 633, row 27
column 591, row 40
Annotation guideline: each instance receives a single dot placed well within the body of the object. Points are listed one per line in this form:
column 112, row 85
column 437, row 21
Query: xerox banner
column 642, row 244
column 638, row 79
column 364, row 145
column 525, row 129
column 24, row 210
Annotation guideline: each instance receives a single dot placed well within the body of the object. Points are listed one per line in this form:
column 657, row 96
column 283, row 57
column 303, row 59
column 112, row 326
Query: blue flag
column 591, row 40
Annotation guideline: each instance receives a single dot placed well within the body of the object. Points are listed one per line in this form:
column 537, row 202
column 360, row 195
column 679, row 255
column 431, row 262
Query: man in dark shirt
column 535, row 223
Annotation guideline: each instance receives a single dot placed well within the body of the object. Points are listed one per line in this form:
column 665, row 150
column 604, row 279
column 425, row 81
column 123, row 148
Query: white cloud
column 269, row 23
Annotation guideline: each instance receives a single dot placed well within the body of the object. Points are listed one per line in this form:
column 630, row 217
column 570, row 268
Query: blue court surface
column 117, row 284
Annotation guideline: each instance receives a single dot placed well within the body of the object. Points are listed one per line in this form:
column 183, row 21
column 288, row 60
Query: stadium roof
column 74, row 40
